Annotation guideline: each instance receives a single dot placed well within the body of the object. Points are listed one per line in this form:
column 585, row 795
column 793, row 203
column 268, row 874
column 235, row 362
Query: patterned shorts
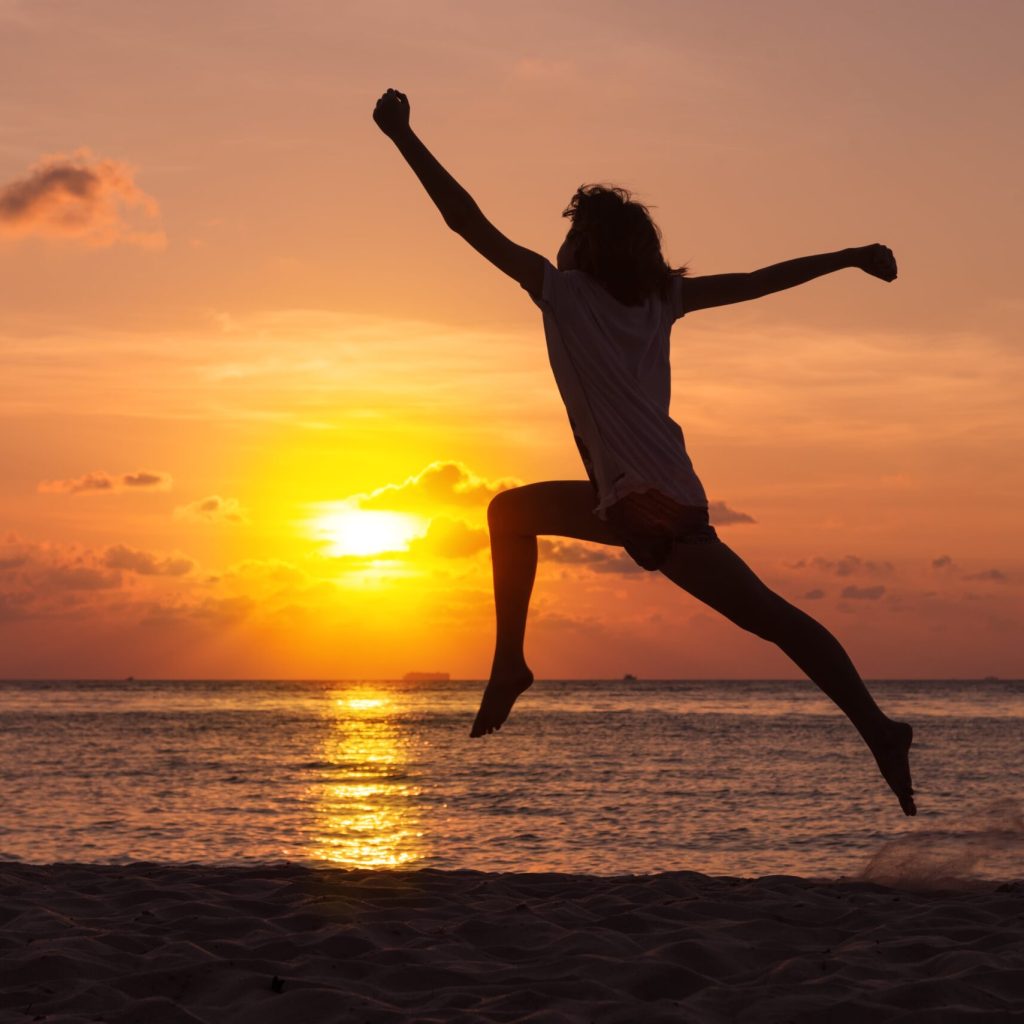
column 648, row 524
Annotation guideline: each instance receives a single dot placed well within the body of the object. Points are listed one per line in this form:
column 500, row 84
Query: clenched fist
column 392, row 113
column 876, row 260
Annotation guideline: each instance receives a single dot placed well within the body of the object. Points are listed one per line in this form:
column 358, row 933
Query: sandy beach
column 157, row 944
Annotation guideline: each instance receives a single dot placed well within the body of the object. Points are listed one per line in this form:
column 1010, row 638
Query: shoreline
column 284, row 942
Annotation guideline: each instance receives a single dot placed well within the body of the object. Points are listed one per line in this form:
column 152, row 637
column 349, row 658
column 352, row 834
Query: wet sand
column 281, row 943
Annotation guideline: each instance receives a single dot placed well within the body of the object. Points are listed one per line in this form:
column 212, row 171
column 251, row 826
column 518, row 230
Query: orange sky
column 230, row 314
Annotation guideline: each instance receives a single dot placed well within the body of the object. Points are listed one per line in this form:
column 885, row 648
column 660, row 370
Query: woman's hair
column 619, row 244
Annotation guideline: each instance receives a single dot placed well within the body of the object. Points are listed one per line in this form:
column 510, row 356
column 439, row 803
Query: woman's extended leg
column 716, row 575
column 561, row 508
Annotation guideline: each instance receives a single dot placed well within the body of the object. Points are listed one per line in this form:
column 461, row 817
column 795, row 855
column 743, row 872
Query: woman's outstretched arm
column 457, row 206
column 722, row 289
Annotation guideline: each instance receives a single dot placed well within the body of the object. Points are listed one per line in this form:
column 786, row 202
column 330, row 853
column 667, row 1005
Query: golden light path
column 349, row 530
column 364, row 808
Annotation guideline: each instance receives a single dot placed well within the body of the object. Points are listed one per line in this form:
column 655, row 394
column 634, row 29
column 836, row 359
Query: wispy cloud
column 722, row 515
column 604, row 559
column 848, row 565
column 854, row 593
column 946, row 565
column 145, row 563
column 992, row 575
column 79, row 577
column 212, row 509
column 101, row 482
column 570, row 552
column 81, row 197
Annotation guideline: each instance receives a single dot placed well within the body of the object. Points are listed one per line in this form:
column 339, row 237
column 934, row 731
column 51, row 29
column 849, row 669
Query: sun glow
column 354, row 531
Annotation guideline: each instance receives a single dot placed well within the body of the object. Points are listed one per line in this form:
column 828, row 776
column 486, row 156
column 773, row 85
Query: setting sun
column 355, row 531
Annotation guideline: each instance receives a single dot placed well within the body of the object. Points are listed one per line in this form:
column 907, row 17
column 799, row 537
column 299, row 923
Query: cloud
column 144, row 479
column 848, row 565
column 80, row 577
column 90, row 483
column 722, row 515
column 863, row 593
column 89, row 593
column 50, row 580
column 450, row 538
column 604, row 559
column 69, row 582
column 269, row 570
column 994, row 575
column 814, row 595
column 213, row 509
column 445, row 483
column 208, row 612
column 15, row 607
column 81, row 197
column 145, row 563
column 570, row 552
column 620, row 563
column 99, row 482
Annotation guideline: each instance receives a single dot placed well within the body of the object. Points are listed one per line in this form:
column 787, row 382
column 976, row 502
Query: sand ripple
column 280, row 943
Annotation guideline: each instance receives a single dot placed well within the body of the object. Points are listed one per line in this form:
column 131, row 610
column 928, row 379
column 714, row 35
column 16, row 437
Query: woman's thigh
column 555, row 508
column 716, row 575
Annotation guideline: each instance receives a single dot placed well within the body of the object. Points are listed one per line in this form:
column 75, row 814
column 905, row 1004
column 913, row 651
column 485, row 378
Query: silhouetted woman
column 608, row 310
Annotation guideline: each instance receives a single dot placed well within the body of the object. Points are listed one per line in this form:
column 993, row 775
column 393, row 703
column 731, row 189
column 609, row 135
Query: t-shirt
column 611, row 365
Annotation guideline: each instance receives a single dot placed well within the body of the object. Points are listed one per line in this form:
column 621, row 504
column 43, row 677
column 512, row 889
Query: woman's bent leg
column 716, row 575
column 561, row 508
column 515, row 518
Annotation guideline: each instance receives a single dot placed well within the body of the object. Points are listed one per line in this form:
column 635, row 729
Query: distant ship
column 628, row 676
column 425, row 677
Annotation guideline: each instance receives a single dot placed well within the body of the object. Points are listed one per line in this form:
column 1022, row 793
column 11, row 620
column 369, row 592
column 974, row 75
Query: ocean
column 600, row 777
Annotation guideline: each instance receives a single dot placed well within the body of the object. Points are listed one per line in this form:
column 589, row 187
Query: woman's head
column 614, row 240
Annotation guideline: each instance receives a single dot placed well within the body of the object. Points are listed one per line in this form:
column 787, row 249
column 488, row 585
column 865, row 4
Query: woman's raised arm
column 392, row 117
column 457, row 206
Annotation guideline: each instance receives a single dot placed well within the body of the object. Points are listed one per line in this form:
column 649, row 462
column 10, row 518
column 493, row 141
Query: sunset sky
column 241, row 354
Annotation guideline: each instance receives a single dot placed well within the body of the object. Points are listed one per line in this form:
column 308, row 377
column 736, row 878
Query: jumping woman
column 608, row 311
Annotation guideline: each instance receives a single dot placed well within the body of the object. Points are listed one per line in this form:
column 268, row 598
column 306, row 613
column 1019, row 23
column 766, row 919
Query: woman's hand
column 876, row 260
column 392, row 113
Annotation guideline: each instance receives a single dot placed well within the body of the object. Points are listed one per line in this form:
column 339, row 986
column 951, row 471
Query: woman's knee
column 503, row 511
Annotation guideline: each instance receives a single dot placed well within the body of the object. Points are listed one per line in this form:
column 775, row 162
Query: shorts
column 648, row 524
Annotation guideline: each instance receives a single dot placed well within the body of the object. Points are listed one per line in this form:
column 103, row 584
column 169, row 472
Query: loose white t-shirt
column 611, row 365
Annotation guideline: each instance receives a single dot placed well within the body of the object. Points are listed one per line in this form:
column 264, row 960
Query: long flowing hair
column 619, row 244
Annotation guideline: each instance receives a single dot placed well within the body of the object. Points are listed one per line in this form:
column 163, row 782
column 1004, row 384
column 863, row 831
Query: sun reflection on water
column 365, row 806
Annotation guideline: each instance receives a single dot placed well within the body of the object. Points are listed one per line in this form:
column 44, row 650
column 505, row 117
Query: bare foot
column 892, row 752
column 502, row 691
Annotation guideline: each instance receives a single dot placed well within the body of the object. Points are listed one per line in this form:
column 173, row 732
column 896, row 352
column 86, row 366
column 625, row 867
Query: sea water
column 604, row 777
